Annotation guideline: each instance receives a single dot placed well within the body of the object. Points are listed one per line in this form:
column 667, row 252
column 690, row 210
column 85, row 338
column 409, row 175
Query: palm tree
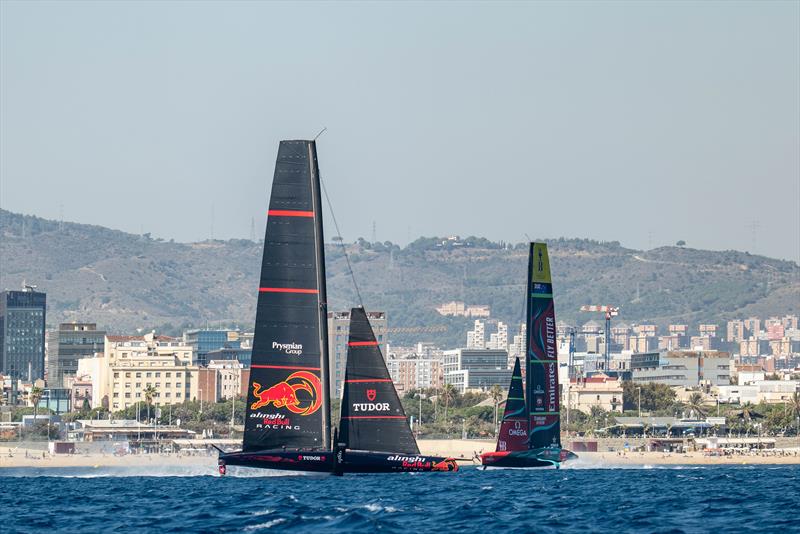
column 695, row 404
column 149, row 393
column 496, row 393
column 35, row 396
column 448, row 393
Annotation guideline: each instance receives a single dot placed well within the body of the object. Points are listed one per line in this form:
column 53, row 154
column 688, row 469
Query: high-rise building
column 476, row 338
column 752, row 326
column 22, row 327
column 67, row 345
column 338, row 332
column 735, row 332
column 499, row 340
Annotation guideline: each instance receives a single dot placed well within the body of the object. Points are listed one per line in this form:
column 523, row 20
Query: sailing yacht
column 288, row 420
column 530, row 434
column 374, row 435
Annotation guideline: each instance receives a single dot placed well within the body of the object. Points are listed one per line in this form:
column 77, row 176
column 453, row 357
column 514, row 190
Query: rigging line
column 341, row 242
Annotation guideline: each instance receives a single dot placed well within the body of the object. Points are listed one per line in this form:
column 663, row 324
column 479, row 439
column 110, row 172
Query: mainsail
column 288, row 404
column 513, row 434
column 542, row 358
column 372, row 417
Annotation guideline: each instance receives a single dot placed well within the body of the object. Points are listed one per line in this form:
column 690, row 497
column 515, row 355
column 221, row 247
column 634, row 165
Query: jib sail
column 542, row 359
column 513, row 434
column 287, row 400
column 372, row 417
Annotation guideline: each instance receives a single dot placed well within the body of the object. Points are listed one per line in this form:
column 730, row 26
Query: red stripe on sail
column 286, row 290
column 290, row 213
column 363, row 343
column 361, row 380
column 284, row 367
column 373, row 417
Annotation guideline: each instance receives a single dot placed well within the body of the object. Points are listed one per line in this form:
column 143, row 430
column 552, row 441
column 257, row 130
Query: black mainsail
column 372, row 418
column 288, row 405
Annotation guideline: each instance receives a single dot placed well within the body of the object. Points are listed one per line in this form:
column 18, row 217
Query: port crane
column 609, row 311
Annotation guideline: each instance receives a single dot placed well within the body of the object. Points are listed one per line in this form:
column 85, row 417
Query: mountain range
column 127, row 282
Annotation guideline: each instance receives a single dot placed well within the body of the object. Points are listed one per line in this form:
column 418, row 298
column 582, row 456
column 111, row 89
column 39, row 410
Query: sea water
column 657, row 499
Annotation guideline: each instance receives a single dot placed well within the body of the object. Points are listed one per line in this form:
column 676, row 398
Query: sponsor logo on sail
column 287, row 394
column 295, row 349
column 370, row 406
column 371, row 394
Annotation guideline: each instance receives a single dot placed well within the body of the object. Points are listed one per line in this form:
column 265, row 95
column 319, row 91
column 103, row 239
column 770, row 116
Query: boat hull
column 389, row 462
column 545, row 457
column 298, row 460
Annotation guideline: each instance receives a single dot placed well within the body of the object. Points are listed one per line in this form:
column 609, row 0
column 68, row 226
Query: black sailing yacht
column 287, row 420
column 530, row 434
column 374, row 436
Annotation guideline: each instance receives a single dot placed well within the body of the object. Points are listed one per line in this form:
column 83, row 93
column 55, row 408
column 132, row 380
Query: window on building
column 127, row 395
column 168, row 375
column 148, row 375
column 116, row 395
column 138, row 375
column 178, row 394
column 116, row 375
column 158, row 374
column 138, row 394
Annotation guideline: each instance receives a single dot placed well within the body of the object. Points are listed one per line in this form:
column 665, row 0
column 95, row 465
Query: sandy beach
column 464, row 450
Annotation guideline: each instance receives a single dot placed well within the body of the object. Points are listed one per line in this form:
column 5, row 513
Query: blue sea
column 669, row 499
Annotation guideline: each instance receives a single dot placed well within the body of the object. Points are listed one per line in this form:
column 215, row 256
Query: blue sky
column 644, row 123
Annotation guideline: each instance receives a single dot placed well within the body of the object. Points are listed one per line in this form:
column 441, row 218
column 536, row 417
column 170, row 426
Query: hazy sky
column 639, row 122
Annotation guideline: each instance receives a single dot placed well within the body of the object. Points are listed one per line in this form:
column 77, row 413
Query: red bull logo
column 284, row 394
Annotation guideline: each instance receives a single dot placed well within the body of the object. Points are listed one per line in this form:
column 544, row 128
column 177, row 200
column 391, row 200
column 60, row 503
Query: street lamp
column 639, row 389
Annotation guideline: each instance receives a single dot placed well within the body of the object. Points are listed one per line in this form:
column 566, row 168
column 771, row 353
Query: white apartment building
column 131, row 364
column 476, row 338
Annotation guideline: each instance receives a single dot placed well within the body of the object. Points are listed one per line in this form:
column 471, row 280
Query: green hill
column 124, row 281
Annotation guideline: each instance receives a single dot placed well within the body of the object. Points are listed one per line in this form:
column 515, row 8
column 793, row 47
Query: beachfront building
column 222, row 379
column 338, row 332
column 596, row 390
column 683, row 368
column 476, row 368
column 131, row 364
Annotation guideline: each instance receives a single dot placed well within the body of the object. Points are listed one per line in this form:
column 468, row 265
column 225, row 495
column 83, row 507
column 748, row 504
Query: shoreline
column 462, row 450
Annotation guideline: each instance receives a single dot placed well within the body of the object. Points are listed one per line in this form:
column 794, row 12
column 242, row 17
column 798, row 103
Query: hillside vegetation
column 125, row 282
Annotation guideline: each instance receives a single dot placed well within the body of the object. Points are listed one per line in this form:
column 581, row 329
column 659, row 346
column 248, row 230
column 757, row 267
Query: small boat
column 530, row 433
column 374, row 435
column 287, row 419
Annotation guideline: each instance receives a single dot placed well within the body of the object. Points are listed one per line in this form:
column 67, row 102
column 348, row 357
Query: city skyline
column 535, row 119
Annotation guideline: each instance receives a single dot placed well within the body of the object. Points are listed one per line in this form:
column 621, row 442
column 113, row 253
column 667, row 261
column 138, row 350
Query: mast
column 372, row 417
column 319, row 240
column 544, row 426
column 287, row 398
